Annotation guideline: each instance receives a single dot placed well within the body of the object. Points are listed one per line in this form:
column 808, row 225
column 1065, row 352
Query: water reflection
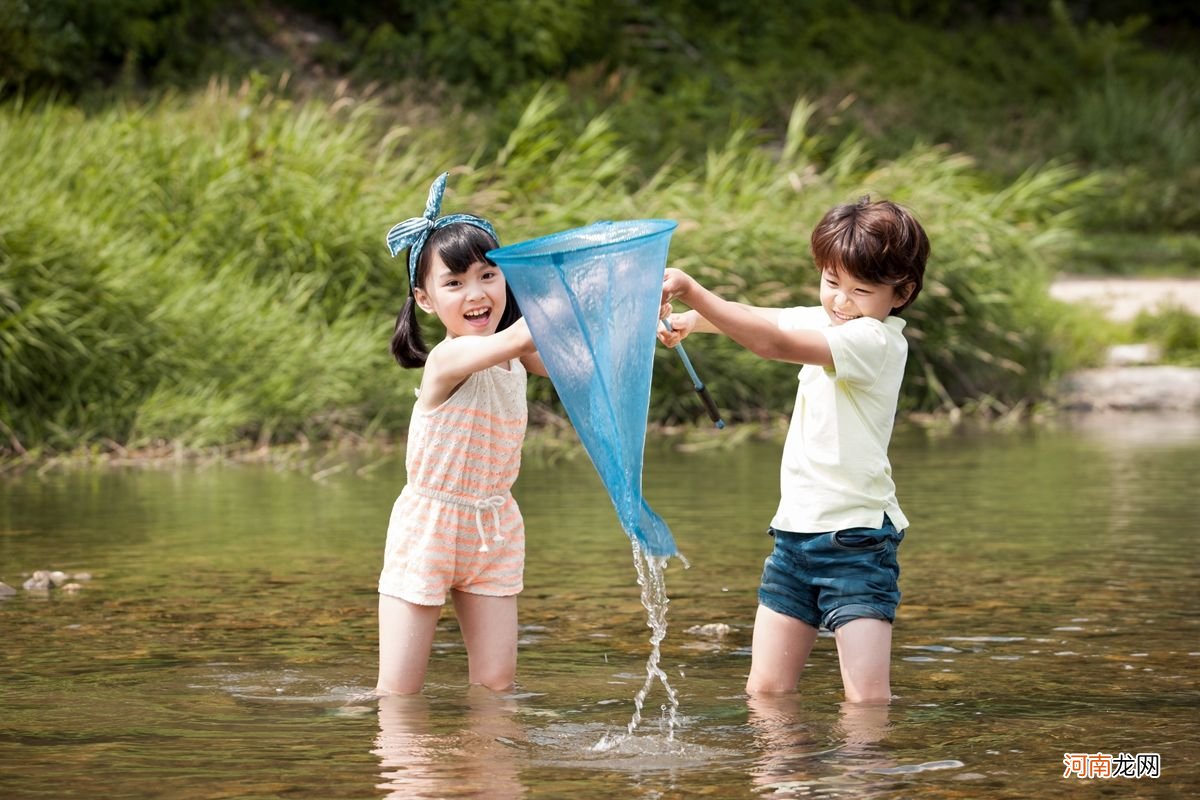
column 795, row 760
column 426, row 755
column 225, row 640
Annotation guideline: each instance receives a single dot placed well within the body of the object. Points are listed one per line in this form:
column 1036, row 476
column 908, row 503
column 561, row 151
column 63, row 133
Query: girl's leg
column 779, row 651
column 405, row 639
column 489, row 629
column 865, row 653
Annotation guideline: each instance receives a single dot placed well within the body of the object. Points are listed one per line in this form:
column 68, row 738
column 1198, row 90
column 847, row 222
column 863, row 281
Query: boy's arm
column 689, row 322
column 752, row 327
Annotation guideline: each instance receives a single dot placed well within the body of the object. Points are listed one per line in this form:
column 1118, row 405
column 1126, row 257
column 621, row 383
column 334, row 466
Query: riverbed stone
column 39, row 581
column 715, row 630
column 1123, row 298
column 1133, row 355
column 1150, row 388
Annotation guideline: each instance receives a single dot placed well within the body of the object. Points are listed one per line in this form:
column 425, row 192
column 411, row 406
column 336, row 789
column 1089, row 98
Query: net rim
column 518, row 254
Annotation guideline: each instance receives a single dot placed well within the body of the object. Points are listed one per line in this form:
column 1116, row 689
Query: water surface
column 225, row 646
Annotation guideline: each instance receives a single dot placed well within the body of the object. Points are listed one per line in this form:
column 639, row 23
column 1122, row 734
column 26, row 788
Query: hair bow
column 411, row 234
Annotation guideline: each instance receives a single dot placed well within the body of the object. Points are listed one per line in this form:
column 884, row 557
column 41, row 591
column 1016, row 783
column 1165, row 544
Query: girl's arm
column 754, row 328
column 533, row 363
column 452, row 361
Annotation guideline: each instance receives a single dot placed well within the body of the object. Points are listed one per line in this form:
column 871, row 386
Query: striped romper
column 455, row 524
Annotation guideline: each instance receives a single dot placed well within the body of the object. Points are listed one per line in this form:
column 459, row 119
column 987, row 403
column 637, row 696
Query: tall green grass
column 210, row 269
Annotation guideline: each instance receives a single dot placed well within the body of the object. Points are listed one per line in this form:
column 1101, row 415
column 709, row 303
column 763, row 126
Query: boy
column 838, row 523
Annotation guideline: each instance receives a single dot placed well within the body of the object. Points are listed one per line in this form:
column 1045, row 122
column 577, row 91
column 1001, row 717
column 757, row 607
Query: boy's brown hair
column 873, row 241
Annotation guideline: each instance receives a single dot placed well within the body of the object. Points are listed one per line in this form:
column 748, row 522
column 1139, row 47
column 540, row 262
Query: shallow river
column 225, row 644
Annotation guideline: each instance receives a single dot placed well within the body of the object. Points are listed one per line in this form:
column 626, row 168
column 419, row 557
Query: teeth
column 473, row 314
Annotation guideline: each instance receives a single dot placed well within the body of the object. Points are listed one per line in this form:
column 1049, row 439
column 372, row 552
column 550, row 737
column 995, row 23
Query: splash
column 653, row 582
column 650, row 577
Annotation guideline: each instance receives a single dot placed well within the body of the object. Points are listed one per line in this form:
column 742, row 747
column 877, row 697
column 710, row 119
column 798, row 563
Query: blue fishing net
column 591, row 298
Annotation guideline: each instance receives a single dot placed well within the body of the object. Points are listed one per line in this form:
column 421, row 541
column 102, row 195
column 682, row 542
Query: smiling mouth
column 478, row 317
column 846, row 317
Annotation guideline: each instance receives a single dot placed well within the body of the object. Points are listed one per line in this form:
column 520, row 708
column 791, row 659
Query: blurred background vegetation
column 191, row 234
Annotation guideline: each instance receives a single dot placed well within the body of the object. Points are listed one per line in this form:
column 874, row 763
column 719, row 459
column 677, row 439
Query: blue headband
column 413, row 233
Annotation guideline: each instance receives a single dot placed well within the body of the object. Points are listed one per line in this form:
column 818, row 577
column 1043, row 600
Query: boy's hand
column 681, row 325
column 676, row 284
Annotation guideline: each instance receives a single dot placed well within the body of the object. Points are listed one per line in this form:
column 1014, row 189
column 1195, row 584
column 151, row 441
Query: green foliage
column 1151, row 254
column 75, row 334
column 1146, row 138
column 1176, row 330
column 488, row 46
column 210, row 269
column 202, row 271
column 1100, row 84
column 74, row 44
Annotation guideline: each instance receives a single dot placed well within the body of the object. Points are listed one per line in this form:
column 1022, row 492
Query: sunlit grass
column 207, row 270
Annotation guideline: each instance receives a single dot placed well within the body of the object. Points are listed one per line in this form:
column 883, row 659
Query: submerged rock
column 6, row 590
column 715, row 630
column 43, row 580
column 38, row 582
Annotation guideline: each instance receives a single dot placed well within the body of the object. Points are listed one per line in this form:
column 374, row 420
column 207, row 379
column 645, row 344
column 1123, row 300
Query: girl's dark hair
column 459, row 244
column 874, row 241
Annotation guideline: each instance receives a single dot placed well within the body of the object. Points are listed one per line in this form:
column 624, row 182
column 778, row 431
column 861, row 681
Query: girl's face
column 845, row 297
column 468, row 303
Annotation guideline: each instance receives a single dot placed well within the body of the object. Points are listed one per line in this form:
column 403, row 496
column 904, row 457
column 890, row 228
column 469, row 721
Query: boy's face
column 845, row 297
column 469, row 303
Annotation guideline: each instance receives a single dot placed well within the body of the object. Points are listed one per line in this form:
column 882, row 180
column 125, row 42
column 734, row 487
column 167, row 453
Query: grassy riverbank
column 210, row 268
column 203, row 267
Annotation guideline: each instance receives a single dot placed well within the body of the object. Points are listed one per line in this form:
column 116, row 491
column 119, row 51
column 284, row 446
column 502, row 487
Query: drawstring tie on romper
column 493, row 504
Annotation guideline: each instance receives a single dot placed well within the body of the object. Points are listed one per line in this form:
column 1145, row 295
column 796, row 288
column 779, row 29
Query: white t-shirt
column 835, row 472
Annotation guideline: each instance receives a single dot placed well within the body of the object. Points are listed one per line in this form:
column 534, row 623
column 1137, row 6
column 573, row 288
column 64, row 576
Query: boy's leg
column 779, row 651
column 489, row 629
column 865, row 654
column 405, row 639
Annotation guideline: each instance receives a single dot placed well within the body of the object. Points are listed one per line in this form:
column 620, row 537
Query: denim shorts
column 829, row 579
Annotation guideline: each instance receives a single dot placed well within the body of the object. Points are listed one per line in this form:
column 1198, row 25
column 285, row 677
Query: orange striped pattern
column 464, row 451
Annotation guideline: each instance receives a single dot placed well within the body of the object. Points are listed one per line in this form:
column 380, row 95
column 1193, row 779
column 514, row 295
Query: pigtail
column 408, row 345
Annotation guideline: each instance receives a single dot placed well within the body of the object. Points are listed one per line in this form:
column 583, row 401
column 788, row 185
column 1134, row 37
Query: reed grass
column 208, row 269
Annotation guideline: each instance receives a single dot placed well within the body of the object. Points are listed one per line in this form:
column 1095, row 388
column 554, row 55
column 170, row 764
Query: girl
column 455, row 527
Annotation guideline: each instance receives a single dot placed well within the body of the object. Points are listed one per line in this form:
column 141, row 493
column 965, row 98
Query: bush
column 211, row 269
column 1176, row 330
column 77, row 44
